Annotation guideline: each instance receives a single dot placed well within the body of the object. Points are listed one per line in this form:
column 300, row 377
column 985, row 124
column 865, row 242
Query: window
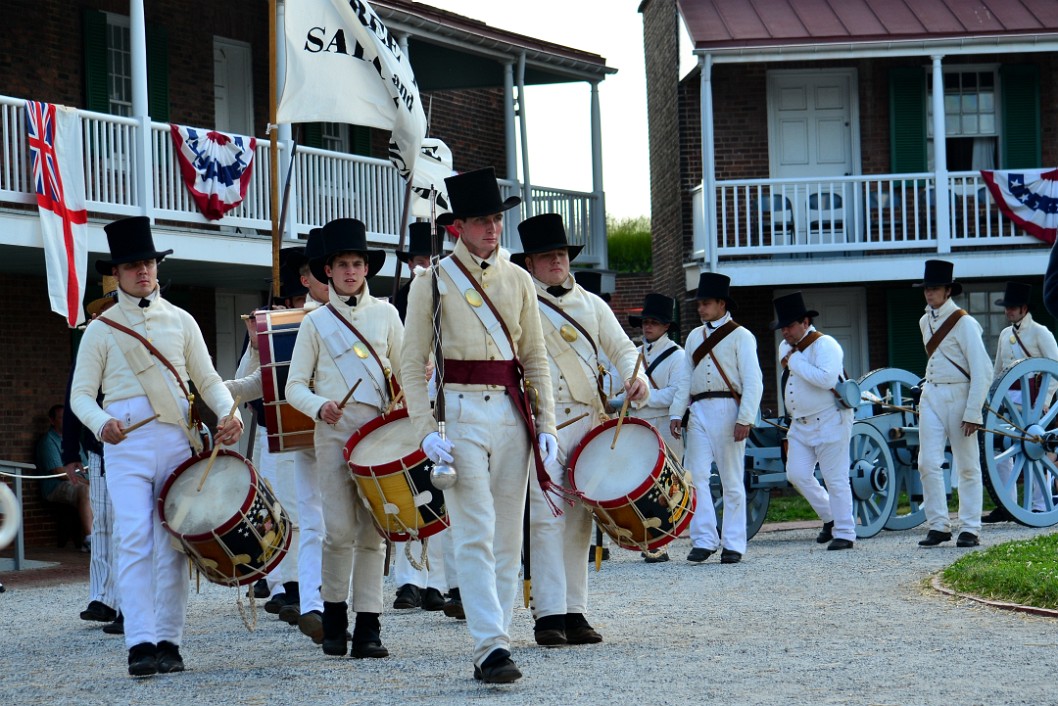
column 108, row 65
column 978, row 300
column 971, row 123
column 119, row 65
column 335, row 137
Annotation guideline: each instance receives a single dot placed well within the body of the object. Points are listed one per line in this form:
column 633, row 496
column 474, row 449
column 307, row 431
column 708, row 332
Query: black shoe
column 498, row 668
column 935, row 537
column 730, row 556
column 699, row 554
column 117, row 627
column 335, row 629
column 432, row 599
column 311, row 624
column 169, row 659
column 826, row 534
column 143, row 660
column 655, row 558
column 578, row 632
column 99, row 612
column 997, row 515
column 367, row 637
column 550, row 631
column 273, row 604
column 453, row 607
column 591, row 554
column 407, row 597
column 259, row 590
column 838, row 544
column 967, row 539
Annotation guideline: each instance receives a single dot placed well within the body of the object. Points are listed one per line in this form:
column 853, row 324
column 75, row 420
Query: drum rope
column 423, row 558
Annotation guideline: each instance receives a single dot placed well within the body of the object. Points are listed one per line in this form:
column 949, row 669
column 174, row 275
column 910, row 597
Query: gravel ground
column 792, row 624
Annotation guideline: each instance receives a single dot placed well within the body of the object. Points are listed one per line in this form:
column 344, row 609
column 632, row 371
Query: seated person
column 72, row 490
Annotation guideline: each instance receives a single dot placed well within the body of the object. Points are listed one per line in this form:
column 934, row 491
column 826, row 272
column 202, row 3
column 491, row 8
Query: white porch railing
column 867, row 213
column 328, row 185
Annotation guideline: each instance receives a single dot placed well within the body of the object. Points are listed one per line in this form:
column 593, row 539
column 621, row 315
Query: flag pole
column 273, row 134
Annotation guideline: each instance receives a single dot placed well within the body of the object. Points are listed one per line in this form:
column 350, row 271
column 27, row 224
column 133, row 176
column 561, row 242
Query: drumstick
column 341, row 405
column 395, row 401
column 624, row 407
column 216, row 448
column 139, row 424
column 566, row 423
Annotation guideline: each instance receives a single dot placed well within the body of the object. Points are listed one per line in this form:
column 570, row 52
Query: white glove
column 548, row 448
column 437, row 449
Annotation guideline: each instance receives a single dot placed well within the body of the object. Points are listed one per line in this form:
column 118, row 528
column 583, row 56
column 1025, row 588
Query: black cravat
column 710, row 325
column 144, row 303
column 351, row 301
column 484, row 265
column 556, row 291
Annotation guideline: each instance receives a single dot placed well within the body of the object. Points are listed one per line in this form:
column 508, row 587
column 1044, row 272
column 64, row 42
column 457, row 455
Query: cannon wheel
column 757, row 501
column 872, row 475
column 894, row 385
column 1033, row 471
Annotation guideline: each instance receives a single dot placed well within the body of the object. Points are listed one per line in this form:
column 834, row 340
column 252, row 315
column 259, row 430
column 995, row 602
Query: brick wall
column 627, row 298
column 471, row 123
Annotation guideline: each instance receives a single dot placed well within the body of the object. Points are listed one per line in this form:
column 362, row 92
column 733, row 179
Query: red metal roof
column 715, row 24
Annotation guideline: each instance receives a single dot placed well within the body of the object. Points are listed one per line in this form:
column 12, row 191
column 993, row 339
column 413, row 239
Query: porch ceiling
column 737, row 24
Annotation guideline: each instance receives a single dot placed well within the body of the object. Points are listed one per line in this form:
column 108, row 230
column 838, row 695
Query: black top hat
column 790, row 308
column 345, row 235
column 591, row 280
column 130, row 240
column 713, row 285
column 1016, row 294
column 655, row 306
column 475, row 193
column 420, row 235
column 939, row 274
column 543, row 233
column 290, row 262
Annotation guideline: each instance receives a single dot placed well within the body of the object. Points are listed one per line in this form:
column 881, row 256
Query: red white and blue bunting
column 1028, row 197
column 215, row 166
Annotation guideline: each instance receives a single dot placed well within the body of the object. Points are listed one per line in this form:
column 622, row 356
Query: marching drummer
column 152, row 578
column 576, row 326
column 348, row 348
column 720, row 390
column 957, row 379
column 490, row 333
column 812, row 364
column 1024, row 338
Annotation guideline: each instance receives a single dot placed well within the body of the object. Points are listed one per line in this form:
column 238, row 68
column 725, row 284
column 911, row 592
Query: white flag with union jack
column 55, row 145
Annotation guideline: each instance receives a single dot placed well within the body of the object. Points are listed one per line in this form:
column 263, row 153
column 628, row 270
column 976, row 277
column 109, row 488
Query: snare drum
column 287, row 428
column 234, row 529
column 393, row 477
column 638, row 491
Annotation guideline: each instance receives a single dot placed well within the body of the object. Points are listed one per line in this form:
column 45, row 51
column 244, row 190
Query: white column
column 286, row 141
column 598, row 212
column 144, row 186
column 940, row 159
column 509, row 143
column 527, row 184
column 708, row 163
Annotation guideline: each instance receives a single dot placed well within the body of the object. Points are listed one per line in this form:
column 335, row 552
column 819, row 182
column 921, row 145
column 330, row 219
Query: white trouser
column 491, row 453
column 1005, row 467
column 102, row 577
column 310, row 532
column 351, row 544
column 432, row 573
column 823, row 439
column 152, row 574
column 278, row 470
column 940, row 420
column 448, row 551
column 558, row 546
column 661, row 423
column 710, row 438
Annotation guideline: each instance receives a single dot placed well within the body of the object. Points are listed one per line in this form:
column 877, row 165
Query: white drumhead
column 386, row 444
column 190, row 512
column 603, row 474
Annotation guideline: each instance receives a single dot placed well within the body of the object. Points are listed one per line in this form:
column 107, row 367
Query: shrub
column 628, row 242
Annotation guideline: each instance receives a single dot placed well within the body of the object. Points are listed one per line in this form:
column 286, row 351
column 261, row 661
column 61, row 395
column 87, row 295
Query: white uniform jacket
column 813, row 374
column 963, row 347
column 1039, row 342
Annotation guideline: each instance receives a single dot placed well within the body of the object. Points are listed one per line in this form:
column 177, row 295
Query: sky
column 559, row 122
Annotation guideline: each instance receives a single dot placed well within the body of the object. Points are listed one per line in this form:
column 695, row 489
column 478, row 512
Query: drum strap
column 657, row 361
column 389, row 381
column 150, row 378
column 582, row 344
column 507, row 374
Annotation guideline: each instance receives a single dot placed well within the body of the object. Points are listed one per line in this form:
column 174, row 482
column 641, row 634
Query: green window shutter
column 904, row 307
column 158, row 73
column 94, row 35
column 360, row 140
column 1021, row 116
column 312, row 135
column 907, row 119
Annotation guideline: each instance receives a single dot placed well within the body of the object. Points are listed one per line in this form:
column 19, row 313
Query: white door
column 232, row 86
column 812, row 132
column 231, row 334
column 843, row 315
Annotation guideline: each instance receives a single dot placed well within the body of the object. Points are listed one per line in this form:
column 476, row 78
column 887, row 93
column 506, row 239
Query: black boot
column 453, row 607
column 143, row 659
column 367, row 637
column 335, row 627
column 826, row 534
column 290, row 611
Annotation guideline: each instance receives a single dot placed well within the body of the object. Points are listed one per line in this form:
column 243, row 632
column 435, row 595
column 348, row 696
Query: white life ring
column 10, row 515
